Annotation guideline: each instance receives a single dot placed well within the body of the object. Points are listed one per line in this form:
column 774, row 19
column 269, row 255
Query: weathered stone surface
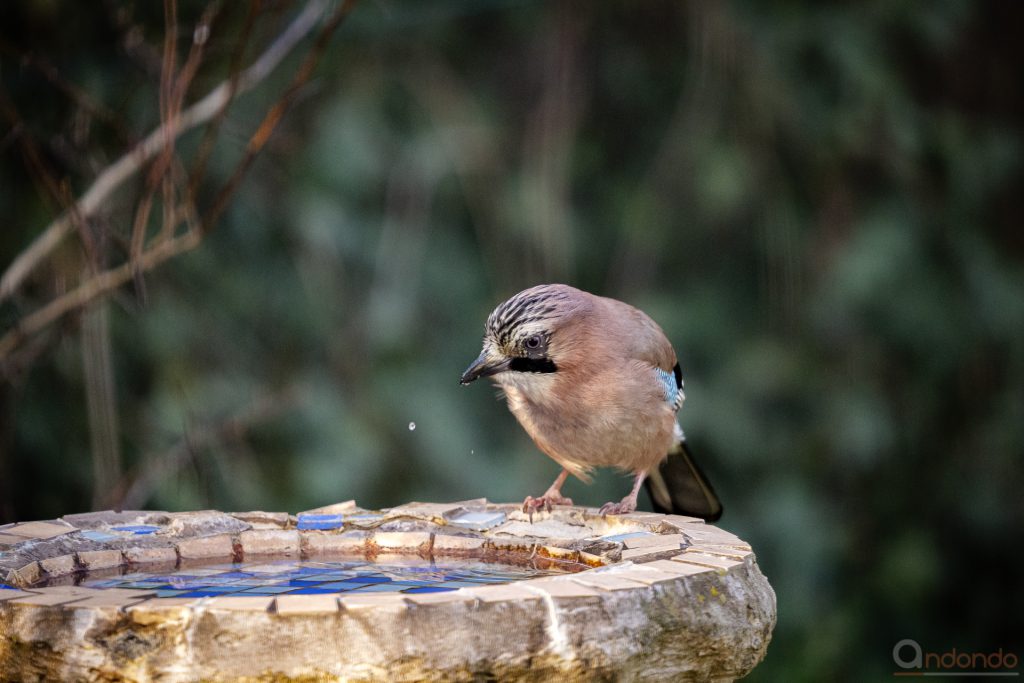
column 7, row 540
column 447, row 544
column 263, row 520
column 58, row 566
column 146, row 555
column 99, row 559
column 105, row 519
column 34, row 531
column 206, row 547
column 319, row 543
column 704, row 614
column 411, row 541
column 269, row 542
column 204, row 523
column 428, row 511
column 334, row 509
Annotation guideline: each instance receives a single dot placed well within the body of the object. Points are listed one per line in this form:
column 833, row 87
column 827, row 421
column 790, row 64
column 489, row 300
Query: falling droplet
column 412, row 426
column 472, row 452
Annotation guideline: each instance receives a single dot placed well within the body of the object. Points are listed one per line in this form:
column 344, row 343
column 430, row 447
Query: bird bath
column 423, row 591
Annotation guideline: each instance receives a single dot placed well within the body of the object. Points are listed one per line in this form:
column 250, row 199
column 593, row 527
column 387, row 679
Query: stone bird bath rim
column 635, row 595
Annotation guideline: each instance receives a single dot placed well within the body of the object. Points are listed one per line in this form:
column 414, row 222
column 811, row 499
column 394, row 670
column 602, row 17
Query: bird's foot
column 531, row 504
column 620, row 508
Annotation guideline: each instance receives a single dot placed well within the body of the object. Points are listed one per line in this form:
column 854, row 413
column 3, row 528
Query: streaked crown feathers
column 528, row 309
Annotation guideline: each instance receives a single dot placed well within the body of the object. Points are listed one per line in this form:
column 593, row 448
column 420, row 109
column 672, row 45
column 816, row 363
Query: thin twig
column 165, row 249
column 266, row 128
column 206, row 145
column 94, row 287
column 114, row 175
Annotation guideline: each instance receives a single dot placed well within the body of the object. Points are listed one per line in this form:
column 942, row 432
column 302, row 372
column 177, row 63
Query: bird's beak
column 484, row 366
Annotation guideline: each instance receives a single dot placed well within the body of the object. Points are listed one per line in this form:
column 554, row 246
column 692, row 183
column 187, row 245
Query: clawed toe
column 545, row 502
column 620, row 508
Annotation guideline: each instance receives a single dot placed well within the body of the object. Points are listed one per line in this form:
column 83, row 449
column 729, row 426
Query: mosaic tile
column 263, row 520
column 363, row 517
column 38, row 530
column 311, row 578
column 713, row 561
column 429, row 589
column 12, row 593
column 204, row 547
column 158, row 558
column 320, row 522
column 269, row 542
column 137, row 529
column 99, row 559
column 306, row 604
column 237, row 603
column 654, row 540
column 334, row 509
column 478, row 521
column 619, row 538
column 56, row 566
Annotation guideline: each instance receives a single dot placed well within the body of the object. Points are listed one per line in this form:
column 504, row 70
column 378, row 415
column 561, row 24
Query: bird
column 595, row 383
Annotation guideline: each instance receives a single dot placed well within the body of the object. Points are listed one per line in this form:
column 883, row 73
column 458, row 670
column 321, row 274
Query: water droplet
column 471, row 452
column 412, row 426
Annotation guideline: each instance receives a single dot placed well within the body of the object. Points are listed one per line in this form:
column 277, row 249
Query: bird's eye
column 533, row 342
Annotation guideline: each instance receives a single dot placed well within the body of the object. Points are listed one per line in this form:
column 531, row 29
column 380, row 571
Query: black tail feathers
column 678, row 487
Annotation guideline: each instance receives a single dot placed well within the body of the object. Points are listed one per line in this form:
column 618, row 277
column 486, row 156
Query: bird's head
column 527, row 334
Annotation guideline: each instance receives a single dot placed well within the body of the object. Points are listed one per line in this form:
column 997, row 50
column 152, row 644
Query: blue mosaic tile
column 317, row 578
column 100, row 536
column 369, row 579
column 322, row 522
column 138, row 529
column 267, row 590
column 341, row 585
column 374, row 588
column 202, row 594
column 4, row 586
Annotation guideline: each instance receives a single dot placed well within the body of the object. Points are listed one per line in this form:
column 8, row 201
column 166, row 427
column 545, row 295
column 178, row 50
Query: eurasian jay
column 595, row 383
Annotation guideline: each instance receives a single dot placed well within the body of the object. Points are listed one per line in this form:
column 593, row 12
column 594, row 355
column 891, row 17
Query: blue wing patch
column 668, row 381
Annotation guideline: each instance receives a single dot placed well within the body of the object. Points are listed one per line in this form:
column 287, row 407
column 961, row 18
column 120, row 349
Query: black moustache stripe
column 532, row 365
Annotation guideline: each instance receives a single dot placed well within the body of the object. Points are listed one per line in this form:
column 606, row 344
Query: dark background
column 817, row 201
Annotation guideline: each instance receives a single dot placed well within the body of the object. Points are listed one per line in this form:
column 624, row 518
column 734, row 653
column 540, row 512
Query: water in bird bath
column 320, row 576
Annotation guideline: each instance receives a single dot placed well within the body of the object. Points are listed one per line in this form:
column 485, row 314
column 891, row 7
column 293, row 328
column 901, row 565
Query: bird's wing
column 635, row 334
column 679, row 487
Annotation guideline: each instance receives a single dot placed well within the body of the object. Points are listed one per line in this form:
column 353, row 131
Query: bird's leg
column 553, row 496
column 627, row 504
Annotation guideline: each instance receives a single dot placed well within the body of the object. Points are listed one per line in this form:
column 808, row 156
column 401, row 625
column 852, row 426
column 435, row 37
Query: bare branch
column 94, row 287
column 117, row 173
column 266, row 128
column 166, row 246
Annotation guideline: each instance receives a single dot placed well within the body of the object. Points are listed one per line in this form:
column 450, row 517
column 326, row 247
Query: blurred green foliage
column 818, row 202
